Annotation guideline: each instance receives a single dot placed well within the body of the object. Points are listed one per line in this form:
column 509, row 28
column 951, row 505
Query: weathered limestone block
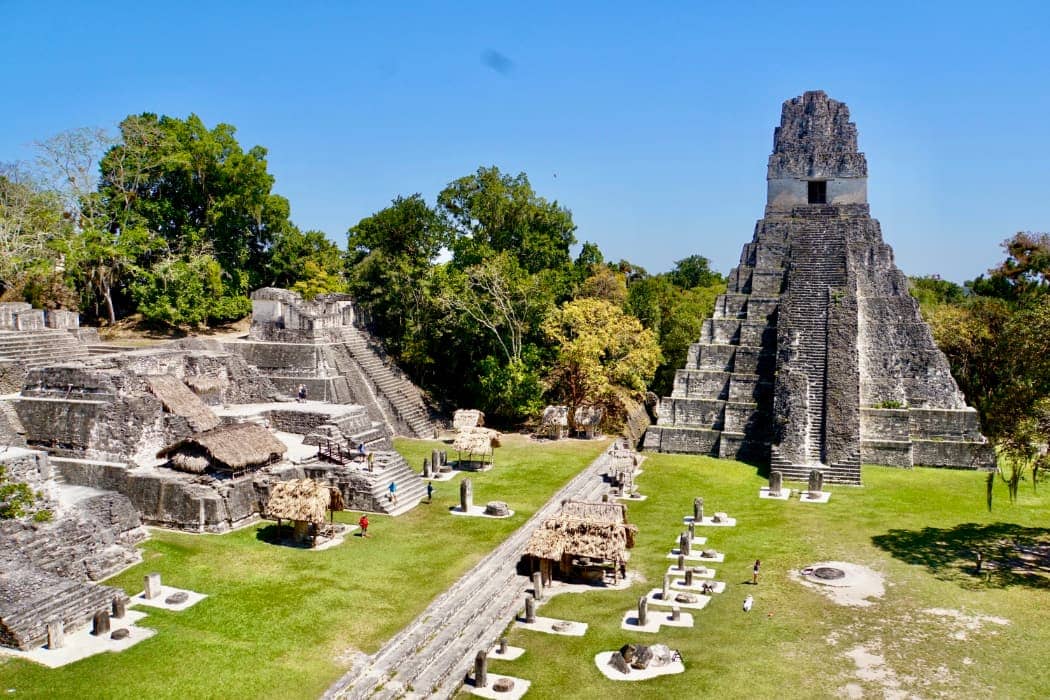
column 466, row 495
column 775, row 482
column 151, row 586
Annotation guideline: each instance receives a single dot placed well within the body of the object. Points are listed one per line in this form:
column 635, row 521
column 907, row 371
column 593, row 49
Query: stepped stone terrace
column 320, row 346
column 816, row 357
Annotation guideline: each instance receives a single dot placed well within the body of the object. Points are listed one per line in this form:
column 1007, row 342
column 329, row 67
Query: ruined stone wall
column 169, row 499
column 89, row 541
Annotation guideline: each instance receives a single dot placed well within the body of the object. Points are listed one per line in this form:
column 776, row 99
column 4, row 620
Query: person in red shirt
column 363, row 522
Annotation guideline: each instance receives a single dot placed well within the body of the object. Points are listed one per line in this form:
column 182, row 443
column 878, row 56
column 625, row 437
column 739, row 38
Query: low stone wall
column 885, row 424
column 889, row 453
column 948, row 424
column 685, row 440
column 953, row 454
column 170, row 499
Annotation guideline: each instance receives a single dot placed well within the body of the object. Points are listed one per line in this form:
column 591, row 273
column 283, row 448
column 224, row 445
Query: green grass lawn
column 917, row 527
column 277, row 619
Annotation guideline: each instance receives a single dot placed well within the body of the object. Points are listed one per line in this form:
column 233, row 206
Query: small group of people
column 300, row 393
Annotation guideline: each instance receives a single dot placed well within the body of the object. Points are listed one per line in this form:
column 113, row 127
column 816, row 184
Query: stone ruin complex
column 816, row 356
column 193, row 435
column 318, row 345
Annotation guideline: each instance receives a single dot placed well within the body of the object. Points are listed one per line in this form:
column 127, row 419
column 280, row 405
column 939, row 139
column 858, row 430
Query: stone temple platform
column 816, row 357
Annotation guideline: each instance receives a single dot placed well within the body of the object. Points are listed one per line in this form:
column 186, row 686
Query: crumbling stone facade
column 319, row 345
column 104, row 408
column 816, row 356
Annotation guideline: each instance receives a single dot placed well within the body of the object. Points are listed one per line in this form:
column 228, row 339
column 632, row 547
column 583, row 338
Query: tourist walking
column 363, row 523
column 430, row 492
column 300, row 393
column 754, row 572
column 393, row 492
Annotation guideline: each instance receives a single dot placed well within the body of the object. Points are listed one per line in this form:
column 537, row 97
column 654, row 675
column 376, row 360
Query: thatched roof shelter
column 476, row 441
column 177, row 398
column 303, row 500
column 235, row 447
column 597, row 531
column 467, row 418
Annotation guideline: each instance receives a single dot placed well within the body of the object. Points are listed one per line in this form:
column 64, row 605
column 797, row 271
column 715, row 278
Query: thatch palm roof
column 179, row 400
column 555, row 415
column 299, row 499
column 467, row 418
column 593, row 511
column 599, row 531
column 478, row 441
column 237, row 446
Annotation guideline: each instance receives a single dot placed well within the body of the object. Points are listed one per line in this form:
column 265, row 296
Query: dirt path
column 430, row 657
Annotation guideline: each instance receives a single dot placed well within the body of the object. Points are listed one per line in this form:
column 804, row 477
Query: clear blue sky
column 652, row 122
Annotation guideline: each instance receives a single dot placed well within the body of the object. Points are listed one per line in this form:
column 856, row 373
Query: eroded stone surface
column 817, row 356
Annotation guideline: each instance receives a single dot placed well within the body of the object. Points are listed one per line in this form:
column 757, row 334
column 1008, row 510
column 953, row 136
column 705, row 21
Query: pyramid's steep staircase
column 401, row 400
column 817, row 275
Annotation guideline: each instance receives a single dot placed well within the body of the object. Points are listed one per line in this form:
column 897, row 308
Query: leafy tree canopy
column 599, row 348
column 490, row 212
column 694, row 271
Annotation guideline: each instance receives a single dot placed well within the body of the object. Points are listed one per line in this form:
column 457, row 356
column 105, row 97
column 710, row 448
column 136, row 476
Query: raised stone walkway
column 431, row 656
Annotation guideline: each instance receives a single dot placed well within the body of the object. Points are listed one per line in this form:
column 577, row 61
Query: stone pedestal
column 776, row 480
column 119, row 607
column 816, row 481
column 100, row 623
column 466, row 495
column 689, row 577
column 698, row 509
column 676, row 613
column 481, row 670
column 665, row 594
column 685, row 544
column 503, row 645
column 643, row 611
column 56, row 634
column 428, row 471
column 530, row 609
column 537, row 584
column 692, row 530
column 151, row 583
column 681, row 562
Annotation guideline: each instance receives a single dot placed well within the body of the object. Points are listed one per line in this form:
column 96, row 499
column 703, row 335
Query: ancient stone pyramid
column 816, row 356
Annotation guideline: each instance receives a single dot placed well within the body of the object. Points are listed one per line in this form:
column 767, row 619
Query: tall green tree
column 34, row 227
column 204, row 196
column 694, row 271
column 492, row 212
column 390, row 257
column 600, row 349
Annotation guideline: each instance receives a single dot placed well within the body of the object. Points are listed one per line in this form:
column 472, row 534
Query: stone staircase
column 411, row 489
column 816, row 277
column 42, row 347
column 402, row 397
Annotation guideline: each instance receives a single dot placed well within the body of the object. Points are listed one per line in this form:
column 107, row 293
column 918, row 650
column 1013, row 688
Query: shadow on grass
column 282, row 537
column 1012, row 555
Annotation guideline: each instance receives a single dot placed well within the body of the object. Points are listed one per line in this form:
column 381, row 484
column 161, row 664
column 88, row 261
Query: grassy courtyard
column 282, row 622
column 930, row 635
